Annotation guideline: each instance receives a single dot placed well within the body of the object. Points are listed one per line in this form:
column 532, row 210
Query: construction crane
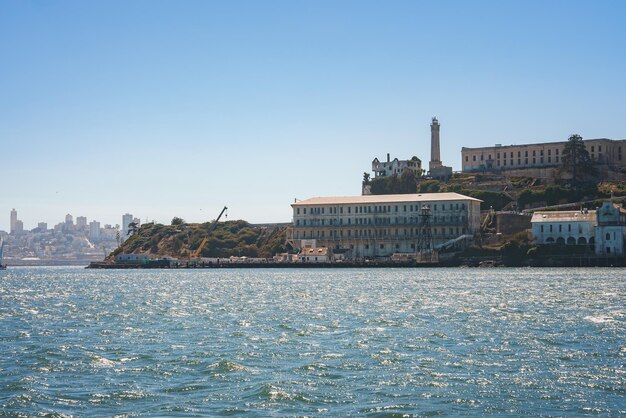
column 196, row 253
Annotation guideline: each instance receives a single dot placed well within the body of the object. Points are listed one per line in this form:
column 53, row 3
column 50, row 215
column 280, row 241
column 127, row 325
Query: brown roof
column 564, row 216
column 314, row 251
column 384, row 199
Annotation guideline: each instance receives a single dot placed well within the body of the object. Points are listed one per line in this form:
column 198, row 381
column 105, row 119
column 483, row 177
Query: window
column 525, row 153
column 466, row 158
column 592, row 148
column 557, row 151
column 608, row 236
column 549, row 152
column 481, row 157
column 534, row 153
column 298, row 211
column 599, row 148
column 473, row 158
column 541, row 228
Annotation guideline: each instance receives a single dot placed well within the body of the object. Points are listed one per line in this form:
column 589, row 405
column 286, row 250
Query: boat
column 2, row 265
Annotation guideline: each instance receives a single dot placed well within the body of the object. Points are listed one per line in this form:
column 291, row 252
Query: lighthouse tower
column 435, row 156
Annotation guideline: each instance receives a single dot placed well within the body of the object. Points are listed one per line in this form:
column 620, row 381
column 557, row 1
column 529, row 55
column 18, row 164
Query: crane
column 196, row 253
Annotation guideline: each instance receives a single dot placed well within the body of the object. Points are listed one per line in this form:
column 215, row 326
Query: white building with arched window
column 570, row 227
column 603, row 229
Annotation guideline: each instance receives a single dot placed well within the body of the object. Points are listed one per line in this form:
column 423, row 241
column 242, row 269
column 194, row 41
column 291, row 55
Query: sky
column 167, row 108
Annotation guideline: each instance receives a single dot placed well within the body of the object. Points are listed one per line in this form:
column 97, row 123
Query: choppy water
column 312, row 342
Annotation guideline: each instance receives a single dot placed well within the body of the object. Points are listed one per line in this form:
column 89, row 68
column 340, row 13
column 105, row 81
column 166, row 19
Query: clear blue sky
column 167, row 108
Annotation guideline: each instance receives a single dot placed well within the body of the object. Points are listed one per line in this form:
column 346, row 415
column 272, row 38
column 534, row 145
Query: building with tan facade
column 541, row 159
column 381, row 225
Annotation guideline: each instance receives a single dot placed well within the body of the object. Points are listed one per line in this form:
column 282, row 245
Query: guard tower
column 425, row 242
column 425, row 249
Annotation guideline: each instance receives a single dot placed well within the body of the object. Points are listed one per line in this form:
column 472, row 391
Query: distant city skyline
column 163, row 110
column 68, row 218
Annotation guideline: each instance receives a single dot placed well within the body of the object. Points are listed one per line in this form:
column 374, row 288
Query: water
column 312, row 342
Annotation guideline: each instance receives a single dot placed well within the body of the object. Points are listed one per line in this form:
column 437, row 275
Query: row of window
column 379, row 233
column 569, row 228
column 534, row 154
column 333, row 210
column 519, row 155
column 379, row 221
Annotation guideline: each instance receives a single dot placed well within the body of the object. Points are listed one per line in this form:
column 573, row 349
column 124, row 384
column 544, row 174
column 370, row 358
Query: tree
column 366, row 178
column 576, row 159
column 408, row 182
column 177, row 221
column 133, row 227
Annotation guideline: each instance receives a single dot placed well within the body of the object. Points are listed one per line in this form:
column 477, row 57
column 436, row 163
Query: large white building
column 381, row 225
column 543, row 158
column 571, row 227
column 604, row 229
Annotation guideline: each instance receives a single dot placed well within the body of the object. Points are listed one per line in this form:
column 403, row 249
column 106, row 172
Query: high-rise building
column 94, row 230
column 81, row 222
column 69, row 223
column 126, row 220
column 19, row 227
column 13, row 220
column 42, row 226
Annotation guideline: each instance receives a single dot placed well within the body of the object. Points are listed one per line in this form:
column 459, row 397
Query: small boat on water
column 2, row 265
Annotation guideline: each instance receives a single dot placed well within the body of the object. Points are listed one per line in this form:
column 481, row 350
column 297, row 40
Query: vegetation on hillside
column 180, row 240
column 501, row 193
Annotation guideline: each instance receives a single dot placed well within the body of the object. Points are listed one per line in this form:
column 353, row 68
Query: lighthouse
column 435, row 156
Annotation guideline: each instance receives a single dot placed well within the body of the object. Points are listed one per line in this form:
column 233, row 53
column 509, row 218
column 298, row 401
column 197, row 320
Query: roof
column 314, row 251
column 499, row 147
column 384, row 198
column 564, row 216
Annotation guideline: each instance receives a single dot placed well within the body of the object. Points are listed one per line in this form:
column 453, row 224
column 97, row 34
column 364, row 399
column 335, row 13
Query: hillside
column 502, row 193
column 231, row 238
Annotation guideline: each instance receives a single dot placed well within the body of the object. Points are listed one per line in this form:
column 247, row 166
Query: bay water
column 312, row 342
